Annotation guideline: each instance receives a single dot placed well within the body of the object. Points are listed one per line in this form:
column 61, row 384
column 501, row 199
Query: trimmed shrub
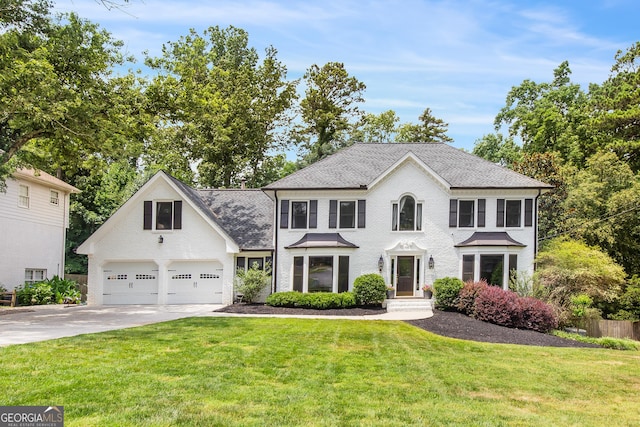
column 447, row 290
column 369, row 289
column 317, row 300
column 284, row 299
column 495, row 305
column 468, row 294
column 536, row 315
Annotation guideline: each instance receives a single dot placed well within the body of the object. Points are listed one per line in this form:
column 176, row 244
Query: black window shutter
column 313, row 214
column 333, row 213
column 362, row 213
column 453, row 212
column 177, row 215
column 148, row 215
column 284, row 214
column 500, row 213
column 528, row 212
column 482, row 205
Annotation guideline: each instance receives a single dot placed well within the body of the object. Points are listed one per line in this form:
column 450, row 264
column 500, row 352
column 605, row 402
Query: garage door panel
column 195, row 283
column 130, row 283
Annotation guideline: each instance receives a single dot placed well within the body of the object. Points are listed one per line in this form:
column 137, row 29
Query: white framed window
column 406, row 215
column 54, row 197
column 321, row 273
column 298, row 215
column 34, row 275
column 23, row 196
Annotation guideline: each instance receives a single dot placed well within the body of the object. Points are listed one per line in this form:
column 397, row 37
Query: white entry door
column 130, row 283
column 195, row 283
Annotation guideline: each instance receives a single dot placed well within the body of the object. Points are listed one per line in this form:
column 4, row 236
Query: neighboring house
column 34, row 217
column 412, row 212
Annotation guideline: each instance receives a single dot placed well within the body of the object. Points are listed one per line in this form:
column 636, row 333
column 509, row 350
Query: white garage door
column 195, row 283
column 130, row 283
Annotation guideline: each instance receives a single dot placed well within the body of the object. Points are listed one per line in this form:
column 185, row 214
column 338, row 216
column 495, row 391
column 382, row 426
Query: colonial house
column 411, row 212
column 34, row 217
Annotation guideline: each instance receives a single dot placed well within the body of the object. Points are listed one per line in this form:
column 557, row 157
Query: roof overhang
column 490, row 238
column 322, row 240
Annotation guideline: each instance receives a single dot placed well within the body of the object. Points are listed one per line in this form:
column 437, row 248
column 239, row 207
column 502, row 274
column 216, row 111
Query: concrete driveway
column 40, row 323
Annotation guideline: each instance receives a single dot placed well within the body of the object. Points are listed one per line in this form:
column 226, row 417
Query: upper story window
column 163, row 215
column 54, row 197
column 406, row 215
column 299, row 214
column 347, row 214
column 510, row 213
column 463, row 213
column 23, row 196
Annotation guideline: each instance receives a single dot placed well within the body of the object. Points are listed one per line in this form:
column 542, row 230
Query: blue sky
column 459, row 58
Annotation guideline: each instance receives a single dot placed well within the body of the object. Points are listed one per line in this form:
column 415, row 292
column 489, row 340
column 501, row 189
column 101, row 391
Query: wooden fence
column 614, row 329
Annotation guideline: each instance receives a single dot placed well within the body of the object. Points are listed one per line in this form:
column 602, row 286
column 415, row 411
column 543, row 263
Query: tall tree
column 56, row 93
column 548, row 116
column 224, row 106
column 376, row 128
column 330, row 104
column 615, row 108
column 497, row 149
column 429, row 129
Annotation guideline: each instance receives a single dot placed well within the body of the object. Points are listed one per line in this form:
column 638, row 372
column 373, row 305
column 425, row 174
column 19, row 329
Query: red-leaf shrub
column 468, row 294
column 536, row 315
column 495, row 305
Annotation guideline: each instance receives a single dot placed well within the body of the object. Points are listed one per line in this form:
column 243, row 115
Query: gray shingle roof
column 361, row 164
column 245, row 215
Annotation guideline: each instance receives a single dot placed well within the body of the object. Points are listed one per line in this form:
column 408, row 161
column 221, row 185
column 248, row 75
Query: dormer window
column 406, row 215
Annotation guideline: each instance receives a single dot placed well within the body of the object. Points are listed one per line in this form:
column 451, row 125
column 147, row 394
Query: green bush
column 317, row 300
column 447, row 290
column 369, row 289
column 50, row 291
column 250, row 283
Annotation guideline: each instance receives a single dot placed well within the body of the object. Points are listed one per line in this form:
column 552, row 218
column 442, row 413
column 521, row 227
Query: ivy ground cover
column 275, row 372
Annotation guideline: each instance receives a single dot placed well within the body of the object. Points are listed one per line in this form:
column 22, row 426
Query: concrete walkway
column 41, row 323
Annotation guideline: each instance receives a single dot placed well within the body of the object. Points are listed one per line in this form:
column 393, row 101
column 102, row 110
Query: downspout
column 274, row 256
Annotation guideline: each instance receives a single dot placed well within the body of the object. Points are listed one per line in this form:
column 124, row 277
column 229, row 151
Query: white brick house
column 34, row 217
column 413, row 212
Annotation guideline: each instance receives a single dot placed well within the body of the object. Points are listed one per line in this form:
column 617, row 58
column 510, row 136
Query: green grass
column 275, row 372
column 607, row 342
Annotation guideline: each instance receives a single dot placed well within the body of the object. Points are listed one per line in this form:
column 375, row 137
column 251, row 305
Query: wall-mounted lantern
column 380, row 264
column 161, row 239
column 432, row 263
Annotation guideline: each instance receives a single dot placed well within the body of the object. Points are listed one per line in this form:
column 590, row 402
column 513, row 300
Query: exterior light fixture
column 431, row 262
column 380, row 264
column 161, row 239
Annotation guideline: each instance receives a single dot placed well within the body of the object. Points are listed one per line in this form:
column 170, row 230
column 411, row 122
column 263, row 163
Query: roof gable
column 363, row 164
column 242, row 217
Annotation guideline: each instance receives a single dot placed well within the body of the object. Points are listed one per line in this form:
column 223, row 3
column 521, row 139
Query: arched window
column 407, row 215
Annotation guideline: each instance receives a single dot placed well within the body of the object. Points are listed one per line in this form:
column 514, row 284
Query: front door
column 404, row 285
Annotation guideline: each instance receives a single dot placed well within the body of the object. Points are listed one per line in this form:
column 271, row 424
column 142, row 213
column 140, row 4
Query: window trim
column 32, row 272
column 24, row 201
column 306, row 214
column 151, row 211
column 54, row 201
column 354, row 216
column 472, row 214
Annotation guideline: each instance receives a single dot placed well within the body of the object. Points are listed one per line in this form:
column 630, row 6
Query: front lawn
column 265, row 371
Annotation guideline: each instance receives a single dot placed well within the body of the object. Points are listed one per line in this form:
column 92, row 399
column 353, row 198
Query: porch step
column 408, row 304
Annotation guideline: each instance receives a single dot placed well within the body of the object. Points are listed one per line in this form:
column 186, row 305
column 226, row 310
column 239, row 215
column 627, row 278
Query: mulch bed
column 448, row 324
